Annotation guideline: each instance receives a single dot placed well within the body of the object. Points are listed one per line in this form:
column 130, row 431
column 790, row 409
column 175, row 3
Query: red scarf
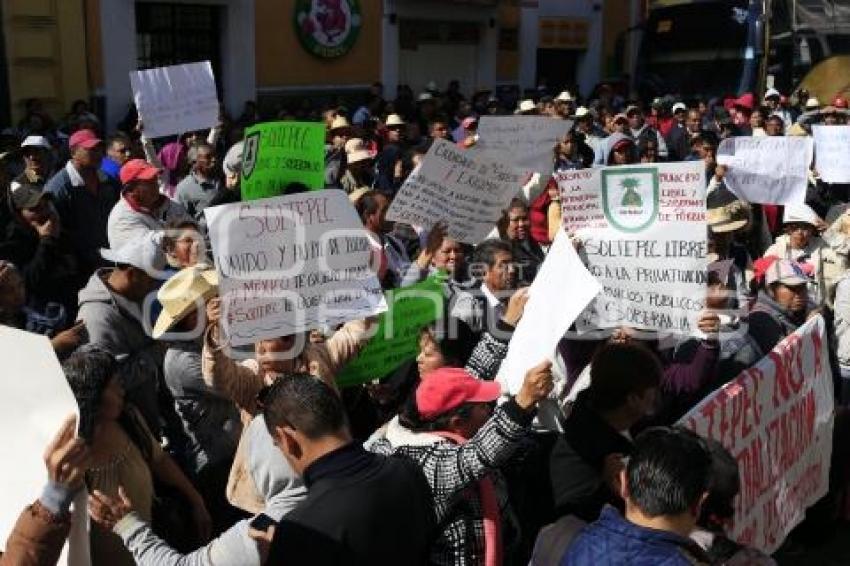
column 490, row 509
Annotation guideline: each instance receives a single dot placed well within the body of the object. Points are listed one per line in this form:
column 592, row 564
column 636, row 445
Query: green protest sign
column 279, row 153
column 397, row 338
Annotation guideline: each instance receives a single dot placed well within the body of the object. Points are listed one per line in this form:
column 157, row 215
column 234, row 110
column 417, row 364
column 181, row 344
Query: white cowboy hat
column 526, row 106
column 394, row 120
column 565, row 96
column 339, row 123
column 181, row 294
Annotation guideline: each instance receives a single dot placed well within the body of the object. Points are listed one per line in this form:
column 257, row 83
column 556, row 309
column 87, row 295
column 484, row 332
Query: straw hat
column 526, row 106
column 180, row 295
column 394, row 120
column 728, row 218
column 356, row 150
column 565, row 96
column 339, row 123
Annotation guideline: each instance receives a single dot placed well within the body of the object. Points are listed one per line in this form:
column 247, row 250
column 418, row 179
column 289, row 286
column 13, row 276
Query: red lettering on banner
column 817, row 342
column 784, row 357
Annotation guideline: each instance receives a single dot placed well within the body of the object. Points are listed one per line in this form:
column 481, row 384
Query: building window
column 171, row 34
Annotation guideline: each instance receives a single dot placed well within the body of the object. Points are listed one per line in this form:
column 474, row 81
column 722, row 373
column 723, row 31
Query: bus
column 716, row 47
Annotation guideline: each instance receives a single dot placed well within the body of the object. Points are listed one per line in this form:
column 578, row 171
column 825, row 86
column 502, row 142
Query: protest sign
column 279, row 153
column 467, row 190
column 397, row 338
column 776, row 420
column 767, row 170
column 177, row 99
column 291, row 264
column 538, row 331
column 644, row 239
column 528, row 142
column 37, row 399
column 832, row 153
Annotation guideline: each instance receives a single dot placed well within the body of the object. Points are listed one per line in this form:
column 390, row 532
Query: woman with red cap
column 452, row 432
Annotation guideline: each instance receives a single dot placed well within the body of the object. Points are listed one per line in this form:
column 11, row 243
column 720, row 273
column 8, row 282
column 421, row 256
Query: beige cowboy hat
column 394, row 120
column 728, row 218
column 340, row 123
column 356, row 151
column 179, row 296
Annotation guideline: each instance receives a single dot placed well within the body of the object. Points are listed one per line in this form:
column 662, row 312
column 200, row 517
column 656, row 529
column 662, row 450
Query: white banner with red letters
column 776, row 420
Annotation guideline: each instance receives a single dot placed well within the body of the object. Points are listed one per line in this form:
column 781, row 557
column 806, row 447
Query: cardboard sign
column 767, row 170
column 776, row 420
column 528, row 142
column 177, row 99
column 467, row 190
column 644, row 239
column 397, row 338
column 37, row 399
column 291, row 264
column 832, row 153
column 279, row 153
column 538, row 332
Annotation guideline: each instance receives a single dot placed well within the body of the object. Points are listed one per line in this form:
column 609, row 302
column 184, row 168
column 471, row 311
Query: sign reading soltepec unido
column 643, row 235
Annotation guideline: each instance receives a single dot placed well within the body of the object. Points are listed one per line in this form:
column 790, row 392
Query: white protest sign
column 549, row 312
column 37, row 399
column 291, row 264
column 776, row 420
column 528, row 142
column 176, row 99
column 832, row 153
column 467, row 190
column 644, row 238
column 767, row 170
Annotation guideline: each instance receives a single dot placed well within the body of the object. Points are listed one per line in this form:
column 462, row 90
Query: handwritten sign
column 832, row 150
column 767, row 170
column 527, row 141
column 644, row 239
column 467, row 190
column 279, row 153
column 177, row 99
column 37, row 400
column 776, row 420
column 397, row 338
column 291, row 264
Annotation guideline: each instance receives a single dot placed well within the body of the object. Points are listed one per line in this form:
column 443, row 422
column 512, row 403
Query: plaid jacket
column 452, row 472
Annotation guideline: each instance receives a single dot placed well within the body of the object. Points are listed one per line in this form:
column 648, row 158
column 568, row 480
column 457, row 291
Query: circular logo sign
column 327, row 28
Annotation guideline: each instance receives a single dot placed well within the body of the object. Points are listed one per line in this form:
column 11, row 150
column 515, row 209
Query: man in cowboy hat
column 565, row 104
column 388, row 164
column 339, row 131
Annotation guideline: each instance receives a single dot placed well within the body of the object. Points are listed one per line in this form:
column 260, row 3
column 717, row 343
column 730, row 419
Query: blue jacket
column 612, row 540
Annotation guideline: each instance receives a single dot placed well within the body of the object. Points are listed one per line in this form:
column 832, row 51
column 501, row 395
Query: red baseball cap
column 446, row 389
column 86, row 139
column 138, row 170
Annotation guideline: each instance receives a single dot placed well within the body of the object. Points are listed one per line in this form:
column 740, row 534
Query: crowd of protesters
column 191, row 455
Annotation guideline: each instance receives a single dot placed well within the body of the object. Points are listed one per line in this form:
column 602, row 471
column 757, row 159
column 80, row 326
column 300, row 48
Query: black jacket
column 577, row 461
column 527, row 257
column 47, row 265
column 361, row 508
